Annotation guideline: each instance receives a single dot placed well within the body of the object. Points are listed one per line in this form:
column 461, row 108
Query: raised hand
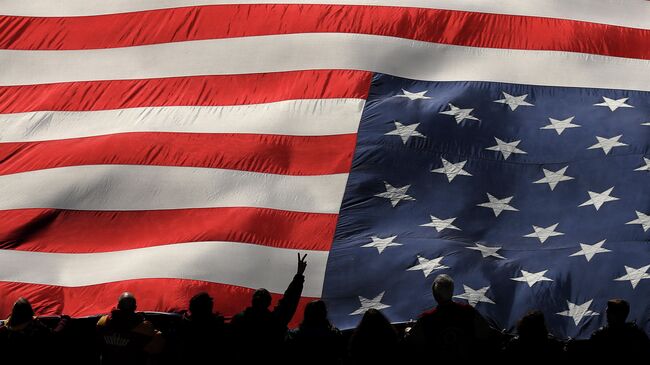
column 302, row 264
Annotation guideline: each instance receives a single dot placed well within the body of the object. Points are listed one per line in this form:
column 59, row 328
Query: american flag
column 170, row 147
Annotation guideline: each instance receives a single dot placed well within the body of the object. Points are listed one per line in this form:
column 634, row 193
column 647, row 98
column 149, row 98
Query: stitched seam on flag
column 458, row 241
column 352, row 7
column 33, row 59
column 168, row 106
column 610, row 155
column 86, row 12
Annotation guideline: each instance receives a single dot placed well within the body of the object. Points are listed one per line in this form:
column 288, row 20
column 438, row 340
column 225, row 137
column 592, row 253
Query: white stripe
column 140, row 187
column 291, row 117
column 395, row 56
column 630, row 13
column 241, row 264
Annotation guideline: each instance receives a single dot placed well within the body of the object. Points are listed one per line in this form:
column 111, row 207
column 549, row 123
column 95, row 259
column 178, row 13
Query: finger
column 304, row 257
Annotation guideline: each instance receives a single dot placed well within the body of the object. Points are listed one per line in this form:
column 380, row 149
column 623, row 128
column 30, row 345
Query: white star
column 635, row 275
column 498, row 205
column 413, row 96
column 544, row 233
column 560, row 125
column 473, row 297
column 459, row 114
column 452, row 169
column 487, row 251
column 614, row 104
column 395, row 195
column 598, row 199
column 552, row 178
column 513, row 101
column 381, row 243
column 642, row 219
column 608, row 143
column 589, row 251
column 578, row 312
column 374, row 303
column 506, row 148
column 440, row 224
column 531, row 278
column 405, row 131
column 646, row 167
column 427, row 266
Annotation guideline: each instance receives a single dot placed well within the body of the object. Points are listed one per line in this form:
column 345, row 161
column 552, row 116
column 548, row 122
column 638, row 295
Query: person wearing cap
column 125, row 337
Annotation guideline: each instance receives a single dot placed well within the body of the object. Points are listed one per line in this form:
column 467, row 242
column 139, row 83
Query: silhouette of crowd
column 451, row 331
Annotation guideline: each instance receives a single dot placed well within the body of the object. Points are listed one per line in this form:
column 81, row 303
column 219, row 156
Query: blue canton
column 530, row 197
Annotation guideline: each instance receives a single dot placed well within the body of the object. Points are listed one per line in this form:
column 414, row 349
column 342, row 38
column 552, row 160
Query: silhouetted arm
column 287, row 306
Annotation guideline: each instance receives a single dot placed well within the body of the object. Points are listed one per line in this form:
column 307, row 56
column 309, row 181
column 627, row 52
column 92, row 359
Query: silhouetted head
column 373, row 318
column 261, row 299
column 443, row 288
column 374, row 325
column 315, row 314
column 532, row 326
column 126, row 302
column 201, row 305
column 22, row 312
column 617, row 311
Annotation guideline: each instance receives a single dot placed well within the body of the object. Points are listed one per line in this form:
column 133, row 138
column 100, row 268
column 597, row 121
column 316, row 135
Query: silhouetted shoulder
column 428, row 313
column 626, row 332
column 461, row 309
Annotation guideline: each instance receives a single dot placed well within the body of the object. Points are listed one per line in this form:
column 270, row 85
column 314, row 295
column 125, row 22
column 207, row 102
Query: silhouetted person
column 374, row 341
column 258, row 332
column 533, row 342
column 126, row 337
column 620, row 339
column 201, row 332
column 315, row 341
column 450, row 331
column 23, row 338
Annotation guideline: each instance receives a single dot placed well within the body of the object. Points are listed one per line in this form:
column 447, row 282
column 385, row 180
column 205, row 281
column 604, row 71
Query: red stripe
column 225, row 21
column 65, row 231
column 180, row 91
column 275, row 154
column 161, row 295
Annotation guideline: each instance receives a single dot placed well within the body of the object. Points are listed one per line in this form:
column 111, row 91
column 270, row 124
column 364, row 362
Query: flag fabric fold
column 172, row 147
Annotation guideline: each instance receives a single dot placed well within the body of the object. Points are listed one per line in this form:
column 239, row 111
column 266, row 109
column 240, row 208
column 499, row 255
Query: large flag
column 169, row 147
